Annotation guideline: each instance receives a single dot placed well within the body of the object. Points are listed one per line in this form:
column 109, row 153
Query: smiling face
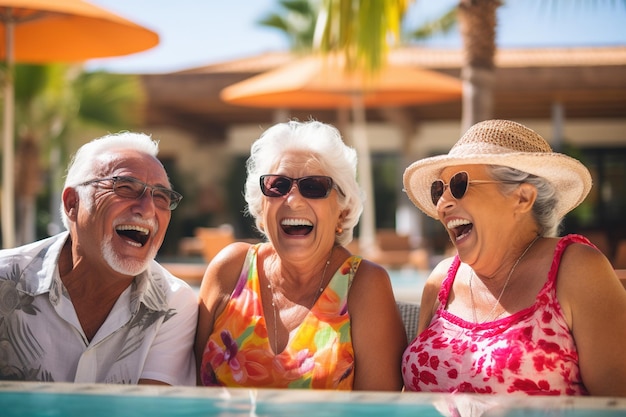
column 122, row 232
column 483, row 216
column 296, row 226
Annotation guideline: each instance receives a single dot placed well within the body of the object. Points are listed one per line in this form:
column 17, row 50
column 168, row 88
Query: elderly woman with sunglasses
column 299, row 310
column 517, row 309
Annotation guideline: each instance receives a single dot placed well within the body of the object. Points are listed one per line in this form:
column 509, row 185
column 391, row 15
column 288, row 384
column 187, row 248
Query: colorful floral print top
column 319, row 353
column 531, row 351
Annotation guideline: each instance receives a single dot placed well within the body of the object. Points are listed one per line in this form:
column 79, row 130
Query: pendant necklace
column 316, row 295
column 506, row 283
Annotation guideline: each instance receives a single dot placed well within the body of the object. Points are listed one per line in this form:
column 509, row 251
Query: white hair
column 324, row 143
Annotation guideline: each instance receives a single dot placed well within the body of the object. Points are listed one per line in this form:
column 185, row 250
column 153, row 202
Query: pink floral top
column 319, row 353
column 531, row 351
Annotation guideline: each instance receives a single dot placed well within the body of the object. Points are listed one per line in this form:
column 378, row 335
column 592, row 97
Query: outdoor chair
column 409, row 313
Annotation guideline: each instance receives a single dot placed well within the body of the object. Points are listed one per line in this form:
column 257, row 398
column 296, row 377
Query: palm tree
column 477, row 22
column 361, row 30
column 296, row 21
column 52, row 101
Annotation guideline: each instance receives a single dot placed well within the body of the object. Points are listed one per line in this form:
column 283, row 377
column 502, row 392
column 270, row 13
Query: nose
column 294, row 196
column 446, row 201
column 146, row 201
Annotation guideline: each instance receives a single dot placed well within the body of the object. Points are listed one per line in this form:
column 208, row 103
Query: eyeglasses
column 458, row 186
column 314, row 186
column 129, row 187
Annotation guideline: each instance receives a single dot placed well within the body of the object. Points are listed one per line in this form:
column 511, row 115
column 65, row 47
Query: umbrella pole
column 8, row 204
column 367, row 229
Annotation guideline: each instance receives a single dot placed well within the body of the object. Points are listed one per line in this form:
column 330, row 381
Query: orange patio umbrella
column 40, row 31
column 316, row 82
column 319, row 82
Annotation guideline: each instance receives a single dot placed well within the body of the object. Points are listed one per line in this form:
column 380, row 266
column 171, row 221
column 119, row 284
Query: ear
column 342, row 216
column 526, row 195
column 70, row 202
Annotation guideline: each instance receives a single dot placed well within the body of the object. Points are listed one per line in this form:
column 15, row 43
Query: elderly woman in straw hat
column 517, row 309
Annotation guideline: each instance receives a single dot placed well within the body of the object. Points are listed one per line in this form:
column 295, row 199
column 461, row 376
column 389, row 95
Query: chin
column 125, row 265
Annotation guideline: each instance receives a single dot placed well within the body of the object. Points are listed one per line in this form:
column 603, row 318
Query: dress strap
column 446, row 286
column 354, row 265
column 248, row 263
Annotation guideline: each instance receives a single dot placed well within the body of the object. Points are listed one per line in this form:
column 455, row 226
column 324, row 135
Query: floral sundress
column 319, row 353
column 532, row 351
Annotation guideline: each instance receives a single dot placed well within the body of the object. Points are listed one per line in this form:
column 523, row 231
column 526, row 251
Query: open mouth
column 135, row 235
column 296, row 227
column 460, row 228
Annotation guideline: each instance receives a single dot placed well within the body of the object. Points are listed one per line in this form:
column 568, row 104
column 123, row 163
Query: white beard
column 130, row 267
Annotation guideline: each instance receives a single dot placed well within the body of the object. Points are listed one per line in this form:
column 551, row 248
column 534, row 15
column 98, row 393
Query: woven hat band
column 512, row 136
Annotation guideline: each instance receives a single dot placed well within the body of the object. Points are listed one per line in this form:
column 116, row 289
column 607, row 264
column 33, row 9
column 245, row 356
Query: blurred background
column 557, row 66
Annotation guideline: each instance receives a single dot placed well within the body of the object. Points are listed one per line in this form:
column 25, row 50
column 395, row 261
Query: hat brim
column 570, row 178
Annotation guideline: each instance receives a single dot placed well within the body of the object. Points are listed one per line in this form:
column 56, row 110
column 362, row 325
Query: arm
column 378, row 335
column 430, row 303
column 594, row 303
column 217, row 285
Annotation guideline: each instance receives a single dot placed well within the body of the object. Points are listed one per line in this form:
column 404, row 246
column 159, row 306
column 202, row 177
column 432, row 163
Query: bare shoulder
column 430, row 293
column 371, row 268
column 437, row 276
column 371, row 286
column 594, row 304
column 583, row 265
column 585, row 274
column 370, row 276
column 223, row 270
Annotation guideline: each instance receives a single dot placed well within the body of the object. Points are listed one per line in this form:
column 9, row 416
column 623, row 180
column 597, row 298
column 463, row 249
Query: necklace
column 506, row 283
column 316, row 295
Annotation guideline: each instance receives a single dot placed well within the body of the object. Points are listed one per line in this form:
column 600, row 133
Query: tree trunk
column 477, row 22
column 27, row 187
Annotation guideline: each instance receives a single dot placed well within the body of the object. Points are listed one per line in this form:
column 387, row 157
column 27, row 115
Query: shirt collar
column 147, row 288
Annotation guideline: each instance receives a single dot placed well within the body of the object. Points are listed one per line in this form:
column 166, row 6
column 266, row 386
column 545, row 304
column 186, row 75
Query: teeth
column 456, row 223
column 459, row 237
column 138, row 229
column 296, row 222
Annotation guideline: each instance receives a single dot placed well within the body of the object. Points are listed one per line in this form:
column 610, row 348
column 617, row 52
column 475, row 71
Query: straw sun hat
column 506, row 143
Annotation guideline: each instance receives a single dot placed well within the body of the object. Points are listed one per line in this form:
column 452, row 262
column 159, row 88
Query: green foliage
column 51, row 101
column 442, row 25
column 111, row 100
column 362, row 30
column 296, row 20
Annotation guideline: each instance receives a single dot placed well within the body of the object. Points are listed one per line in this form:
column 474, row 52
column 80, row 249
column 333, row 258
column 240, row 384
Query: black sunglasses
column 313, row 186
column 132, row 188
column 458, row 186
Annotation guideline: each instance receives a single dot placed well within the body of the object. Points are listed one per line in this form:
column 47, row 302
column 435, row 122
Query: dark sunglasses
column 132, row 188
column 458, row 186
column 314, row 186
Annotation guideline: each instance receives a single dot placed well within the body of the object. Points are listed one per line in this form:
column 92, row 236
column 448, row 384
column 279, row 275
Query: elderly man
column 91, row 304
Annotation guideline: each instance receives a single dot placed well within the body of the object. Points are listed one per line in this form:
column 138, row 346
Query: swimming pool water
column 75, row 405
column 408, row 284
column 32, row 399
